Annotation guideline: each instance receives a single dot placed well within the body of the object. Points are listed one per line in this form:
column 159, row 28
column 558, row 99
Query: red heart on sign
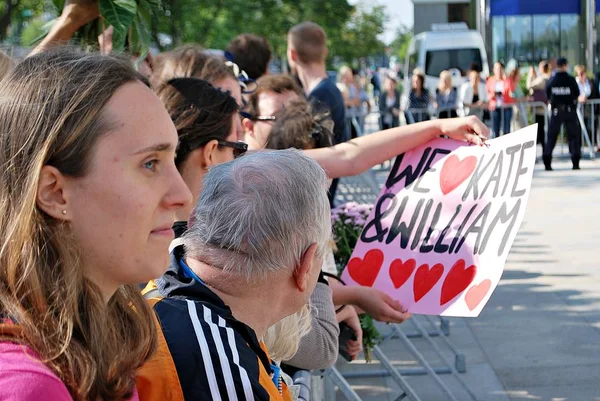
column 425, row 279
column 364, row 271
column 454, row 172
column 401, row 272
column 457, row 280
column 475, row 295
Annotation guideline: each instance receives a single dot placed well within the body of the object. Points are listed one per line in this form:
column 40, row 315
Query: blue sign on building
column 532, row 7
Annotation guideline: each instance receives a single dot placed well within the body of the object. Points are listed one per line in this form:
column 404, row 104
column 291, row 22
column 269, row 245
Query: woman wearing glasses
column 208, row 126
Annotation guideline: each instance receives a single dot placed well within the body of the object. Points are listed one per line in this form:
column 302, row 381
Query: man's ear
column 209, row 153
column 248, row 127
column 303, row 271
column 51, row 194
column 294, row 55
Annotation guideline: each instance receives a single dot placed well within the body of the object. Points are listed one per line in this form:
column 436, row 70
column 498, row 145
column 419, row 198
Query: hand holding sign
column 380, row 306
column 469, row 128
column 439, row 234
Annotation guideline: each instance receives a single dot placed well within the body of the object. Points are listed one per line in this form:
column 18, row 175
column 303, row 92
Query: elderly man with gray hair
column 251, row 256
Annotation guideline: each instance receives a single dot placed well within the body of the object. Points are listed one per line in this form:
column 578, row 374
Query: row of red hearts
column 365, row 271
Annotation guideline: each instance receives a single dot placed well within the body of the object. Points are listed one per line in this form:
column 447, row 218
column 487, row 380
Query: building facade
column 525, row 30
column 429, row 12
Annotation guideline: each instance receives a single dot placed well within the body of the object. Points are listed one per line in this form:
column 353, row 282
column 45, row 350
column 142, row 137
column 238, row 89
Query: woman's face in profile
column 123, row 208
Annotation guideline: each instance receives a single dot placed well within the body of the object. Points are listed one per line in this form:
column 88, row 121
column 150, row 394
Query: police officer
column 562, row 92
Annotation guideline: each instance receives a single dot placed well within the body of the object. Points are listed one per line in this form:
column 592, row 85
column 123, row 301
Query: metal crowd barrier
column 420, row 114
column 335, row 378
column 303, row 379
column 432, row 113
column 591, row 116
column 364, row 189
column 590, row 137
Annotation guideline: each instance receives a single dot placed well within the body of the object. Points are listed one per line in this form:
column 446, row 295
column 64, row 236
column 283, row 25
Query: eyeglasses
column 239, row 148
column 257, row 118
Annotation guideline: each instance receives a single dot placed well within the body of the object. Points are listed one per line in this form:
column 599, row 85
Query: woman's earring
column 64, row 212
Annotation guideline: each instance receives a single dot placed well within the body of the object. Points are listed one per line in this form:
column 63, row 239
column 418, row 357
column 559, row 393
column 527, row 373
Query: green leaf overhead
column 140, row 30
column 353, row 30
column 59, row 4
column 118, row 13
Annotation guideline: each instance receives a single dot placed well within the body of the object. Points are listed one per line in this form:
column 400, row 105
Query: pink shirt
column 23, row 377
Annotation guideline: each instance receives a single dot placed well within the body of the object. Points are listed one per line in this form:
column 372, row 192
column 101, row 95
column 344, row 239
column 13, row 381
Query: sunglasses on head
column 239, row 148
column 247, row 84
column 257, row 118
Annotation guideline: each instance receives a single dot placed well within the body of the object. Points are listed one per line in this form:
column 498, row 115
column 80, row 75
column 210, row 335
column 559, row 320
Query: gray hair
column 260, row 213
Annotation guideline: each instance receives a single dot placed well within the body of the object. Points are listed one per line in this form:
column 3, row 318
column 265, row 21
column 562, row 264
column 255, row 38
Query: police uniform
column 562, row 92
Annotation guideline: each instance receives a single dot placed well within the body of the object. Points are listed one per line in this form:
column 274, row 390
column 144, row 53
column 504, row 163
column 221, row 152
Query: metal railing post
column 584, row 133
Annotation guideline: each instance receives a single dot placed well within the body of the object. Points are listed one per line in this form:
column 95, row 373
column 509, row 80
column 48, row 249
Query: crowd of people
column 166, row 232
column 499, row 99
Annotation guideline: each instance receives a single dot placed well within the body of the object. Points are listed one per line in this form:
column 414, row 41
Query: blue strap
column 188, row 272
column 276, row 373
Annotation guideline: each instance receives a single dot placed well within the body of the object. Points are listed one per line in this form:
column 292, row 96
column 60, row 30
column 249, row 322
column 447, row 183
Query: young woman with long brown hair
column 88, row 194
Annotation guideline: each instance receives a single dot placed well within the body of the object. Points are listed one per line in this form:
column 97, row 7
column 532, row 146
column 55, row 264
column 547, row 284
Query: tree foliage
column 16, row 13
column 352, row 30
column 399, row 45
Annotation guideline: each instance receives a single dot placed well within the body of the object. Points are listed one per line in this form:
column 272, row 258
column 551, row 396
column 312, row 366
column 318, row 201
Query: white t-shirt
column 584, row 88
column 499, row 89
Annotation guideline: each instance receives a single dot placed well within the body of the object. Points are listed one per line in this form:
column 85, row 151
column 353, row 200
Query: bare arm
column 370, row 300
column 362, row 153
column 75, row 14
column 319, row 348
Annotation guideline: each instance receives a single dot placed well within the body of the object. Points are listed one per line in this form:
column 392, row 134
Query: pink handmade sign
column 440, row 231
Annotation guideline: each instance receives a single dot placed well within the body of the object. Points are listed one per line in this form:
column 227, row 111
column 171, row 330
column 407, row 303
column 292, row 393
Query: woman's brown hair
column 188, row 61
column 299, row 125
column 6, row 64
column 52, row 113
column 421, row 79
column 201, row 113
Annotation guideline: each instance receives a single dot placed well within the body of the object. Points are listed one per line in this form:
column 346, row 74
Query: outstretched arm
column 75, row 14
column 360, row 154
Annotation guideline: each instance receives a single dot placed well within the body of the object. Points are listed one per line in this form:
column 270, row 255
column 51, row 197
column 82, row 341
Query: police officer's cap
column 561, row 62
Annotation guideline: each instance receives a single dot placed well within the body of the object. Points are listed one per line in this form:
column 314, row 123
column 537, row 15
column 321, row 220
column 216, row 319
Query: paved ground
column 539, row 336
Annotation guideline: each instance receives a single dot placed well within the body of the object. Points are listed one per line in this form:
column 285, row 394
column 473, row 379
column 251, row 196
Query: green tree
column 16, row 13
column 399, row 45
column 359, row 37
column 353, row 32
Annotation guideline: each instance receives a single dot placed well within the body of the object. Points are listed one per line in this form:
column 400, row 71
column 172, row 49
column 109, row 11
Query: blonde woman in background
column 583, row 82
column 351, row 94
column 446, row 97
column 585, row 93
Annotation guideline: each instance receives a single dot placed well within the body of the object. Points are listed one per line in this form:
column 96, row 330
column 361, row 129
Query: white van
column 451, row 47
